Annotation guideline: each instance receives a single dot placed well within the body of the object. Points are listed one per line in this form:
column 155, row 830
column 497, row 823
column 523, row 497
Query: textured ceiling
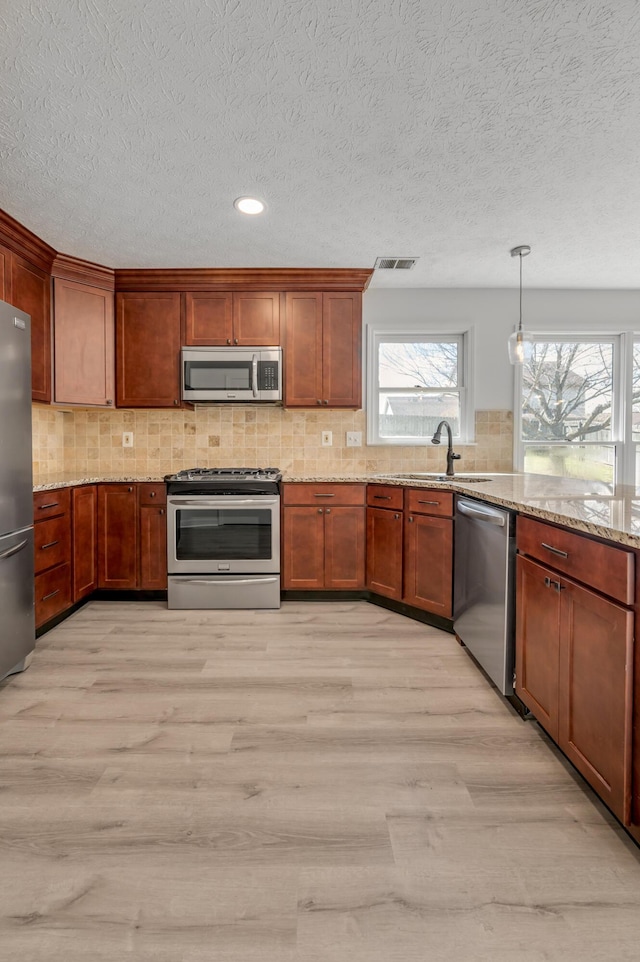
column 448, row 130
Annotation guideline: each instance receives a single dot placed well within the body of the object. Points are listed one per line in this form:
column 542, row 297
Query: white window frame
column 624, row 467
column 413, row 333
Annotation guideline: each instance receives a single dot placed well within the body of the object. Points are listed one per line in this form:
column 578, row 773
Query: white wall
column 493, row 315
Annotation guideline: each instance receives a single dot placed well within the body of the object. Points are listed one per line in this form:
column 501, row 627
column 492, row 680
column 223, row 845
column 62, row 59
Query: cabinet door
column 208, row 318
column 303, row 548
column 84, row 514
column 148, row 350
column 428, row 563
column 117, row 536
column 596, row 684
column 153, row 547
column 256, row 319
column 303, row 350
column 5, row 274
column 341, row 351
column 384, row 552
column 537, row 642
column 31, row 292
column 344, row 547
column 84, row 344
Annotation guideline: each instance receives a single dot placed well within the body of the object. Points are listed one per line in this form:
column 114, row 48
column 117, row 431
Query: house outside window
column 415, row 381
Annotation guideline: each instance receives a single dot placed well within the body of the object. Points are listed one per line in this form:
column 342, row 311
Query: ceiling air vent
column 395, row 263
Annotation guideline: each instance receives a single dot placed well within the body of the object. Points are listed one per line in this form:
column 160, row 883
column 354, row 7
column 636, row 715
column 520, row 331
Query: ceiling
column 449, row 130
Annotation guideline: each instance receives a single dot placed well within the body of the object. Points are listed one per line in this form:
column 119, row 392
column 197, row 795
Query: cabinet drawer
column 425, row 501
column 48, row 504
column 152, row 493
column 53, row 593
column 52, row 543
column 608, row 569
column 385, row 496
column 319, row 494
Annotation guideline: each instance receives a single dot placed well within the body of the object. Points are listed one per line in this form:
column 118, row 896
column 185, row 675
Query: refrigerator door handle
column 14, row 550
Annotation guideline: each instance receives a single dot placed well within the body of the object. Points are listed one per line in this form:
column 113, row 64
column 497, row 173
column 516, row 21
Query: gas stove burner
column 235, row 474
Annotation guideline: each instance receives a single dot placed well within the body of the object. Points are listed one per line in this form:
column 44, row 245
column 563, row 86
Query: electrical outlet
column 327, row 439
column 127, row 439
column 354, row 439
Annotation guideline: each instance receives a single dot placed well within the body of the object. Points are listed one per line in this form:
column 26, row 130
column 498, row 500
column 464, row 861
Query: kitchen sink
column 434, row 476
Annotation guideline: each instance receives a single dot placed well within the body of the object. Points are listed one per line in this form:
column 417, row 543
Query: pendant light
column 519, row 342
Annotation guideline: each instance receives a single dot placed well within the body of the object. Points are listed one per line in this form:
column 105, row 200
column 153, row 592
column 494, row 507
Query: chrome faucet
column 451, row 457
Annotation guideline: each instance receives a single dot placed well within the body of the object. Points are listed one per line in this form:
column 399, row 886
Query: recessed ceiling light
column 248, row 205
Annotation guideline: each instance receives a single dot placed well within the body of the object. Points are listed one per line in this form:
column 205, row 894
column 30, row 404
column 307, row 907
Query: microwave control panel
column 267, row 375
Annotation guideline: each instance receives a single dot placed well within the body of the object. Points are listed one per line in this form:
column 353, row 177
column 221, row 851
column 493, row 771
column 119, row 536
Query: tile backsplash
column 88, row 443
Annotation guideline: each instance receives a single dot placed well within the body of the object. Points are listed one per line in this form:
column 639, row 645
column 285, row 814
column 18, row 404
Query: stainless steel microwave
column 231, row 374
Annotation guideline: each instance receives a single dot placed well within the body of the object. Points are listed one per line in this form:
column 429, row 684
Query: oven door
column 223, row 534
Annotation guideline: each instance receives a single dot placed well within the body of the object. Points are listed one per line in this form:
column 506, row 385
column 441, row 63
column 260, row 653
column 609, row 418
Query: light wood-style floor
column 330, row 782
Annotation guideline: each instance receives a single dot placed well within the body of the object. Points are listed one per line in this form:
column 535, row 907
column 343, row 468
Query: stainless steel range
column 223, row 538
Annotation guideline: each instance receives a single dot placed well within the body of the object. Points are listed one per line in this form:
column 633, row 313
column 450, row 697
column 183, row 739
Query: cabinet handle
column 319, row 510
column 228, row 340
column 550, row 583
column 235, row 340
column 382, row 497
column 410, row 518
column 327, row 510
column 176, row 401
column 324, row 495
column 129, row 488
column 396, row 516
column 161, row 510
column 318, row 401
column 429, row 502
column 109, row 400
column 50, row 544
column 549, row 547
column 325, row 402
column 51, row 595
column 152, row 494
column 52, row 504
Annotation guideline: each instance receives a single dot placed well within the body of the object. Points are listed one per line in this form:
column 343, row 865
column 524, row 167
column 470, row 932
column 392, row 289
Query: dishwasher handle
column 488, row 515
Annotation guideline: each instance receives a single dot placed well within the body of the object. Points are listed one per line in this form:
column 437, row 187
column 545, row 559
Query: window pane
column 593, row 462
column 635, row 397
column 418, row 364
column 412, row 414
column 567, row 392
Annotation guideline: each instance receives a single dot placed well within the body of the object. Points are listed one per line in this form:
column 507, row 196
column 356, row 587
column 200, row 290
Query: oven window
column 217, row 375
column 223, row 534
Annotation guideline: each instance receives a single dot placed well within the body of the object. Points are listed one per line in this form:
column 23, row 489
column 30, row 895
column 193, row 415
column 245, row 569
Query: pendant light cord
column 520, row 324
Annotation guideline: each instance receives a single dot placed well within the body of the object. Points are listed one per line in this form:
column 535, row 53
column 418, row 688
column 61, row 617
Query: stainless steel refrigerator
column 17, row 620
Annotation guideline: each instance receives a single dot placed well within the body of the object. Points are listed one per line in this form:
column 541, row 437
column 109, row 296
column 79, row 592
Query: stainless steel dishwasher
column 484, row 587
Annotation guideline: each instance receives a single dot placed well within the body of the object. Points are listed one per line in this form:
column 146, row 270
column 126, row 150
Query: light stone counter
column 582, row 505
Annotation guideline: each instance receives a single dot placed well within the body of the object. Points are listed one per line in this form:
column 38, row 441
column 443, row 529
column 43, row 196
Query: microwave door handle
column 254, row 374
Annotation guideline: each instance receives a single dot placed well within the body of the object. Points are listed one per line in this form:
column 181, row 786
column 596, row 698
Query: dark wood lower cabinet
column 118, row 536
column 153, row 547
column 384, row 552
column 344, row 547
column 428, row 563
column 84, row 523
column 303, row 548
column 574, row 670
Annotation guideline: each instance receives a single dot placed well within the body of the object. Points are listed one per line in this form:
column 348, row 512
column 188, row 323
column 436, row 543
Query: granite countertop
column 587, row 506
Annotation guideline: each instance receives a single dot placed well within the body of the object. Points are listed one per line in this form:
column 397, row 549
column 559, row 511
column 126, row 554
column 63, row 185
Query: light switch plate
column 327, row 439
column 127, row 439
column 354, row 439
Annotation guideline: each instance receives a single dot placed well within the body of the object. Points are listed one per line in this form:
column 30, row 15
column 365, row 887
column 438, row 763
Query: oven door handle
column 224, row 579
column 254, row 374
column 222, row 502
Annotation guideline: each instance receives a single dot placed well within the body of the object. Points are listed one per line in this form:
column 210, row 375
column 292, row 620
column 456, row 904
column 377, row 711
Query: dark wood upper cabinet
column 31, row 292
column 83, row 344
column 221, row 318
column 323, row 364
column 5, row 274
column 148, row 350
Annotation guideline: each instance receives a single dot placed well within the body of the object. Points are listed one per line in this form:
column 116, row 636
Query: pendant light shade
column 519, row 343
